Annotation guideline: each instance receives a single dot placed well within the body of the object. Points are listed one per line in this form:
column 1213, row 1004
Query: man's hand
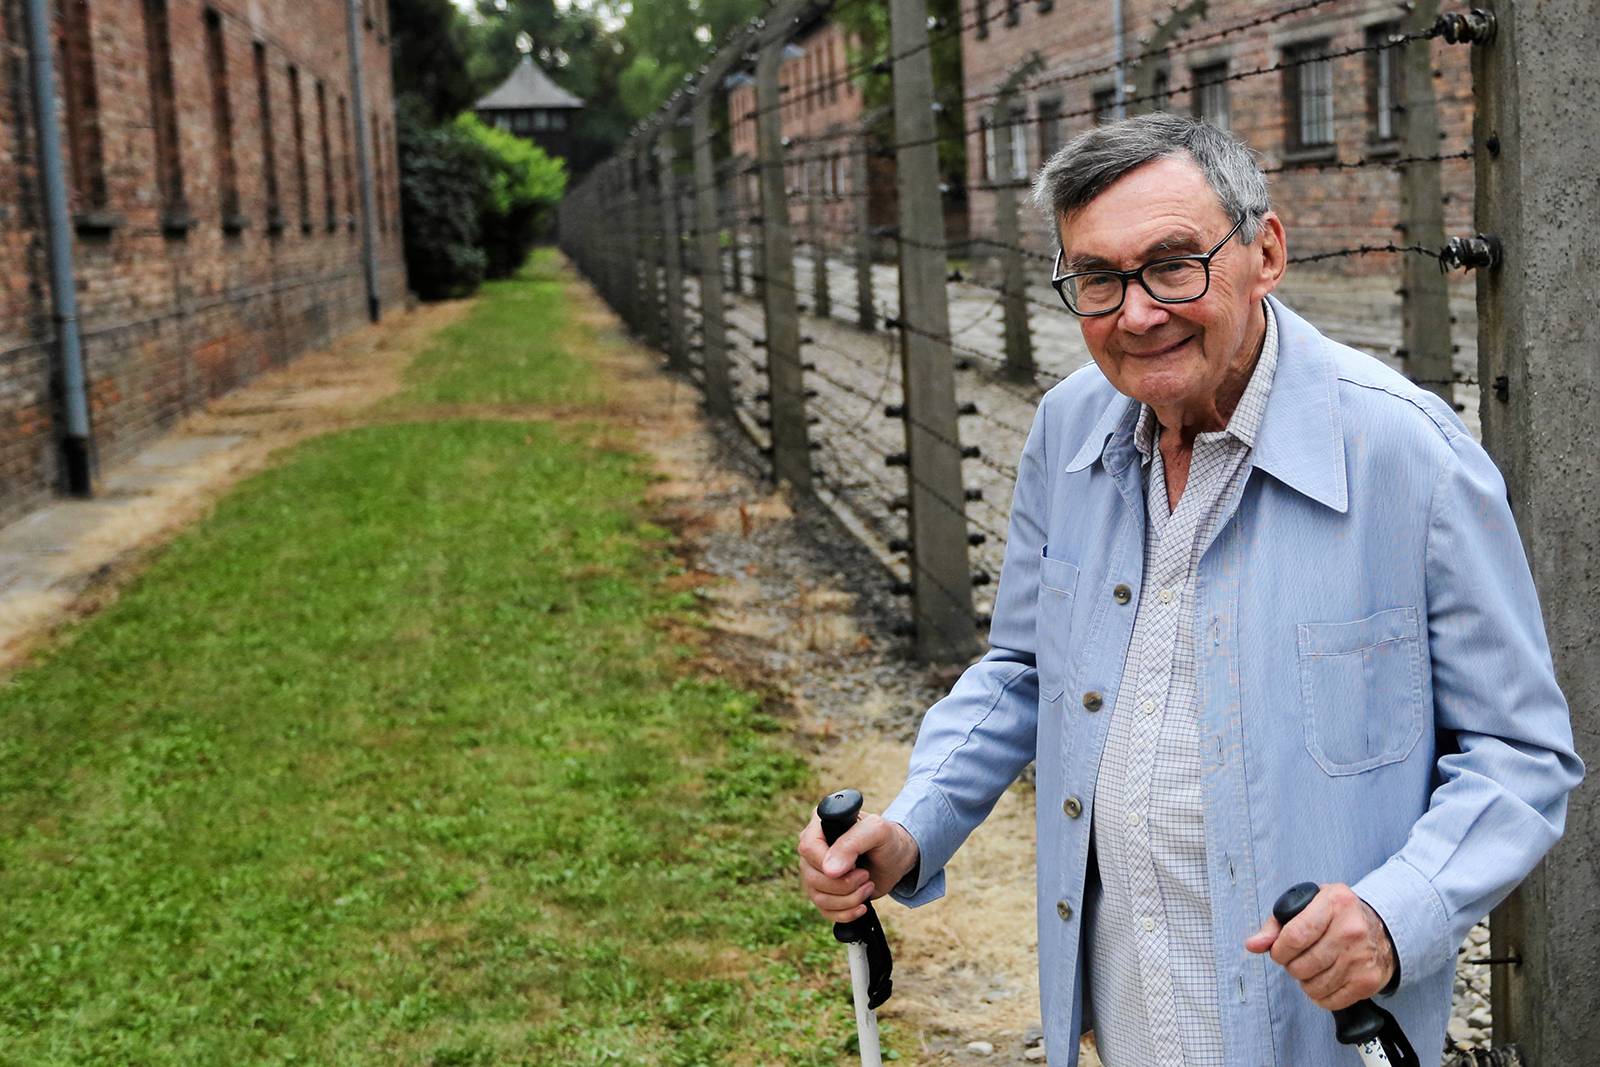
column 840, row 889
column 1337, row 949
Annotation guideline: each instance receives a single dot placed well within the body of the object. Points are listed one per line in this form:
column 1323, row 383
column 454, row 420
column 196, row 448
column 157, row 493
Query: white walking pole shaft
column 1372, row 1054
column 866, row 1018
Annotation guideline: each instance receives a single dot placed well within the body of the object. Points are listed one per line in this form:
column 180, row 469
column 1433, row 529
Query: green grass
column 393, row 760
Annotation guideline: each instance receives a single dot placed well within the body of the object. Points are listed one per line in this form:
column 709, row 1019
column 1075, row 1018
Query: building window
column 349, row 165
column 302, row 174
column 1209, row 100
column 558, row 120
column 164, row 116
column 986, row 148
column 1161, row 90
column 1049, row 128
column 541, row 120
column 222, row 123
column 1384, row 81
column 1308, row 95
column 1013, row 12
column 394, row 179
column 1104, row 103
column 1019, row 141
column 982, row 19
column 329, row 206
column 269, row 151
column 83, row 108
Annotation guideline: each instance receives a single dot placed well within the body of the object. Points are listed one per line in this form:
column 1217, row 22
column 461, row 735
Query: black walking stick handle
column 1362, row 1021
column 838, row 812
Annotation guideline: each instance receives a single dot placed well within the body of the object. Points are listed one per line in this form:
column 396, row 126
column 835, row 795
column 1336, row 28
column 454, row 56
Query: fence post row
column 1535, row 86
column 941, row 577
column 791, row 450
column 1013, row 273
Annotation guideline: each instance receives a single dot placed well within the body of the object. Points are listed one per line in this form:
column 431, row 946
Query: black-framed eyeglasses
column 1170, row 280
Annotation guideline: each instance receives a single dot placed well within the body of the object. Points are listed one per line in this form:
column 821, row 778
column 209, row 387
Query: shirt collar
column 1300, row 436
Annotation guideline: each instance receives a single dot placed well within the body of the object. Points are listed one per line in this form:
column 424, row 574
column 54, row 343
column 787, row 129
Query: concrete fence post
column 1536, row 121
column 821, row 296
column 791, row 452
column 1425, row 300
column 860, row 186
column 733, row 186
column 1013, row 272
column 671, row 246
column 941, row 578
column 713, row 325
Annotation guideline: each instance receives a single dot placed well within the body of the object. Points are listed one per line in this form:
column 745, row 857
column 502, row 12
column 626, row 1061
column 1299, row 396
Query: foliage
column 444, row 179
column 430, row 47
column 394, row 760
column 521, row 185
column 869, row 23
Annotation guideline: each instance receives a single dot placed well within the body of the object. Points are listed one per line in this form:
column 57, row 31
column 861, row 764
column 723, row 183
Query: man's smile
column 1162, row 351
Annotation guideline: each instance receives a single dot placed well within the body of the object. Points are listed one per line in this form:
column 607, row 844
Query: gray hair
column 1087, row 165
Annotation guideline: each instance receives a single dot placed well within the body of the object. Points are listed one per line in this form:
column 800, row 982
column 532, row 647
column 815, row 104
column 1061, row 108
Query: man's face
column 1174, row 357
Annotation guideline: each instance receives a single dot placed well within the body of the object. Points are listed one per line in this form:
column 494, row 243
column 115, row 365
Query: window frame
column 1208, row 79
column 1305, row 62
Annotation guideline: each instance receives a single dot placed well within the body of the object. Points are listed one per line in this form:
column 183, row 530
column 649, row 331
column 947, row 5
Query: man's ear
column 1274, row 256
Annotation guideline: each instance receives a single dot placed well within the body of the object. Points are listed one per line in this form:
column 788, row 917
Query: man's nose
column 1141, row 312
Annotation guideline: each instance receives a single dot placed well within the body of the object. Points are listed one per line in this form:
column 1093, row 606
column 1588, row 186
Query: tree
column 430, row 48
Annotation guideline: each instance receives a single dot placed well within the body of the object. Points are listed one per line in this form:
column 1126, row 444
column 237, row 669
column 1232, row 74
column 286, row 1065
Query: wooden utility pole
column 1425, row 300
column 941, row 577
column 1535, row 126
column 791, row 451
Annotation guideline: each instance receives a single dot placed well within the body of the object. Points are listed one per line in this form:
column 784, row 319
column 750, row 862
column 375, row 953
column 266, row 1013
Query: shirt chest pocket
column 1361, row 690
column 1058, row 587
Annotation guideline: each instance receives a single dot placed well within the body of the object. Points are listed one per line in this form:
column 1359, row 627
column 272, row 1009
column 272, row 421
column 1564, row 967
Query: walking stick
column 1375, row 1033
column 868, row 948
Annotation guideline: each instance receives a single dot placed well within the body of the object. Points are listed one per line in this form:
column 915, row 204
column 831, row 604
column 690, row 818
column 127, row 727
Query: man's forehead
column 1164, row 203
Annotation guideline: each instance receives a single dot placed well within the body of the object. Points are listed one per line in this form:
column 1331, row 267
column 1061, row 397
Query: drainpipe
column 1121, row 56
column 76, row 443
column 369, row 208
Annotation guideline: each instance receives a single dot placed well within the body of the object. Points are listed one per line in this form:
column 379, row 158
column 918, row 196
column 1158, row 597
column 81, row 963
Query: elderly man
column 1264, row 618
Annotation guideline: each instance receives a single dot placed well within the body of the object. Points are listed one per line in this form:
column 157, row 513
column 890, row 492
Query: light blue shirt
column 1377, row 703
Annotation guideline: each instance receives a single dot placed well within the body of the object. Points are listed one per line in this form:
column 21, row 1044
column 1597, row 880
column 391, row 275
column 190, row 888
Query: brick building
column 213, row 182
column 1302, row 114
column 822, row 116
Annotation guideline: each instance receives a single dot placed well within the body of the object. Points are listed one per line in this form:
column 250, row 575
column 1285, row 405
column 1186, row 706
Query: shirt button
column 1092, row 700
column 1063, row 909
column 1148, row 707
column 1073, row 807
column 1168, row 594
column 1122, row 594
column 1149, row 924
column 1133, row 818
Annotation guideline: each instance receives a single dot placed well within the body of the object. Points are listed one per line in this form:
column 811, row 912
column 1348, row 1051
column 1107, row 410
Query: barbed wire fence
column 765, row 278
column 892, row 372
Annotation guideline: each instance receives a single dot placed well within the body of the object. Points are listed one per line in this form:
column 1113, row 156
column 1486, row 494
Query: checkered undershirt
column 1152, row 972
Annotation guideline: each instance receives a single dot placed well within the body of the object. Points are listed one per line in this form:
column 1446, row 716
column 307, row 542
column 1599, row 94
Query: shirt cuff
column 925, row 814
column 1414, row 917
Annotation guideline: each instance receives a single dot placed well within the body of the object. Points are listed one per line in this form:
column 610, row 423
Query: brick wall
column 181, row 302
column 1322, row 209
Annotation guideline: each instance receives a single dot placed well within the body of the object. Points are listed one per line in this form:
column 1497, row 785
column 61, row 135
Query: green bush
column 474, row 201
column 443, row 176
column 523, row 183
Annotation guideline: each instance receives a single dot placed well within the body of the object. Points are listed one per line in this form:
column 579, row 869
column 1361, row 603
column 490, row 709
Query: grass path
column 394, row 759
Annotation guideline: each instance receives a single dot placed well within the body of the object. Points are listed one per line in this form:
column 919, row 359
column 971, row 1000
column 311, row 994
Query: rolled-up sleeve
column 1506, row 759
column 974, row 742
